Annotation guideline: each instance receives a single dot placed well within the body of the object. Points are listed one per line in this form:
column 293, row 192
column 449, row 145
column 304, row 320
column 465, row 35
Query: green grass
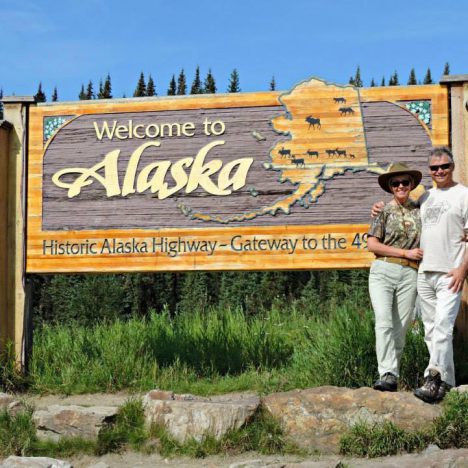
column 379, row 440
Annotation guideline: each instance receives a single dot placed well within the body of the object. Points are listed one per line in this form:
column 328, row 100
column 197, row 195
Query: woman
column 394, row 238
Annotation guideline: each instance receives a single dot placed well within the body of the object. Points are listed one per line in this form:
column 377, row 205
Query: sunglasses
column 397, row 183
column 444, row 167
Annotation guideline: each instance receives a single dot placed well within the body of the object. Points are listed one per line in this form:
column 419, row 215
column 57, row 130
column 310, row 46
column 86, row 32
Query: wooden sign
column 220, row 182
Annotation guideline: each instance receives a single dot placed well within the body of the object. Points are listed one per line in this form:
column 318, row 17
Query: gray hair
column 439, row 151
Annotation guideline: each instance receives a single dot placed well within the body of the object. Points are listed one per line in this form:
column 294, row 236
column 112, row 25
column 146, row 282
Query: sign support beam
column 13, row 294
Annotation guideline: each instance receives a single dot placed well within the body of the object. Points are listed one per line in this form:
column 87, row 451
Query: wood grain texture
column 392, row 134
column 4, row 136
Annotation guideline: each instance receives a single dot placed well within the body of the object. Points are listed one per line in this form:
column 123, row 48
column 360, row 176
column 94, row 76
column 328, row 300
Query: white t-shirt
column 444, row 215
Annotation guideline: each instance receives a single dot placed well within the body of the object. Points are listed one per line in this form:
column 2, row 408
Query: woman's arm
column 375, row 246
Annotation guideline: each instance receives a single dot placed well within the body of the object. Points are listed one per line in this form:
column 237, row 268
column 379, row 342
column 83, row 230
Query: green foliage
column 17, row 433
column 209, row 85
column 446, row 69
column 106, row 91
column 382, row 83
column 372, row 83
column 451, row 428
column 272, row 84
column 181, row 84
column 196, row 84
column 393, row 81
column 128, row 430
column 150, row 88
column 428, row 77
column 380, row 440
column 262, row 434
column 89, row 91
column 234, row 85
column 55, row 95
column 412, row 78
column 140, row 89
column 357, row 81
column 11, row 378
column 171, row 91
column 40, row 95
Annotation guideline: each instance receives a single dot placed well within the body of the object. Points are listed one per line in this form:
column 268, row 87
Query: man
column 442, row 272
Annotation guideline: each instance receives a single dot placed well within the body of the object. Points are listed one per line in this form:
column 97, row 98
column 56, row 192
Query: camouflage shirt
column 398, row 225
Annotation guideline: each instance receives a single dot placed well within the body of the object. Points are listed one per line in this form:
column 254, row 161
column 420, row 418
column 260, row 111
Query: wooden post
column 5, row 128
column 458, row 95
column 12, row 316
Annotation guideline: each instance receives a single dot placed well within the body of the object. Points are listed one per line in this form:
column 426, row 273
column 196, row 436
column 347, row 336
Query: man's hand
column 458, row 276
column 414, row 254
column 377, row 208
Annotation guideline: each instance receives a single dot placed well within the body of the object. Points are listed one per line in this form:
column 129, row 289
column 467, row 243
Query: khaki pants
column 392, row 289
column 439, row 310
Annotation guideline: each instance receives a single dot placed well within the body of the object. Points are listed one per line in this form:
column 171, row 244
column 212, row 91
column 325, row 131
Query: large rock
column 189, row 416
column 10, row 403
column 316, row 418
column 34, row 462
column 72, row 421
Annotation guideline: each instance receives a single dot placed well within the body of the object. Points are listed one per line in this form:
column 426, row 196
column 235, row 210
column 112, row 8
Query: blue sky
column 66, row 43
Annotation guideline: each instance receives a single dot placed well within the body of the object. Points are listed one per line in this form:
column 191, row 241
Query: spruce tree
column 82, row 95
column 140, row 89
column 55, row 95
column 181, row 84
column 196, row 84
column 428, row 77
column 89, row 91
column 40, row 95
column 446, row 69
column 272, row 84
column 150, row 88
column 351, row 80
column 171, row 91
column 382, row 83
column 107, row 88
column 412, row 78
column 101, row 90
column 372, row 83
column 209, row 86
column 357, row 78
column 233, row 86
column 393, row 80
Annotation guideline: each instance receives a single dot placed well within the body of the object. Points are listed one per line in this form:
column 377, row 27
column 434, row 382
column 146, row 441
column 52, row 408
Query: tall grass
column 219, row 351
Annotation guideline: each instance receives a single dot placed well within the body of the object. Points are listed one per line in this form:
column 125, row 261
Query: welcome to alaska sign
column 220, row 182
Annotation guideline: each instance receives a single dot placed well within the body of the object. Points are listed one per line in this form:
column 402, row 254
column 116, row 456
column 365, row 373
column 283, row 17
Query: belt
column 399, row 261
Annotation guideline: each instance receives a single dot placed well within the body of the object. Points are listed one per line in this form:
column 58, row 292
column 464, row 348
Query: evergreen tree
column 107, row 89
column 55, row 95
column 171, row 91
column 446, row 69
column 101, row 90
column 82, row 95
column 272, row 84
column 196, row 85
column 412, row 78
column 428, row 77
column 357, row 78
column 209, row 86
column 382, row 83
column 233, row 86
column 150, row 88
column 351, row 80
column 393, row 81
column 89, row 91
column 372, row 83
column 140, row 89
column 181, row 84
column 40, row 95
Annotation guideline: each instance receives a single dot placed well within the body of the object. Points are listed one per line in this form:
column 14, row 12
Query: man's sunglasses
column 444, row 167
column 397, row 183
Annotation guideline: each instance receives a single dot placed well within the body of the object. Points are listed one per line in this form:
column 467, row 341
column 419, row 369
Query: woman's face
column 401, row 187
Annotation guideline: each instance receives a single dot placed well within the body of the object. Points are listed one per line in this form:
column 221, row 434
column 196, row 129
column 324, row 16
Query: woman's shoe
column 387, row 383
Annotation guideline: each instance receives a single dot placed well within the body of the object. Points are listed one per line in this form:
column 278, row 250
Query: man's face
column 441, row 171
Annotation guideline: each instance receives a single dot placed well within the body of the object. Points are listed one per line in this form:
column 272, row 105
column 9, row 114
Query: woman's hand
column 414, row 254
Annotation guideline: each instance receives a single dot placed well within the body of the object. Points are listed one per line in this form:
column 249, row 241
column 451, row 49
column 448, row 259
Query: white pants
column 392, row 290
column 439, row 310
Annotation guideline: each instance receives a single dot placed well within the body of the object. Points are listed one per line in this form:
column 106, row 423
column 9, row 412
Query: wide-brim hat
column 397, row 169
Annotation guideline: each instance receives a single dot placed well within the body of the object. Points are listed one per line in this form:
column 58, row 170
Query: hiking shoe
column 443, row 390
column 429, row 392
column 386, row 383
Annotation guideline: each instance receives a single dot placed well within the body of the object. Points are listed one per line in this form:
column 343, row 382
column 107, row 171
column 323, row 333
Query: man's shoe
column 443, row 390
column 387, row 383
column 429, row 392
